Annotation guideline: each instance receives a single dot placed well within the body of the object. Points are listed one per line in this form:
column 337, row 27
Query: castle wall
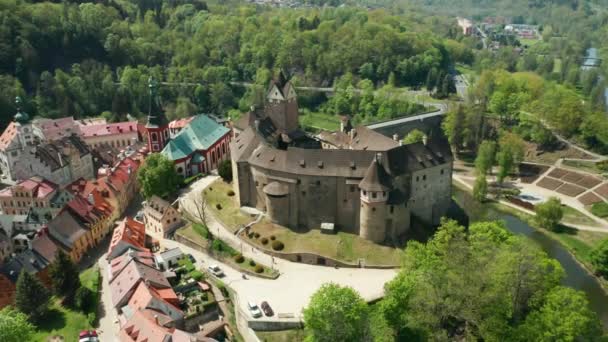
column 430, row 194
column 373, row 221
column 278, row 209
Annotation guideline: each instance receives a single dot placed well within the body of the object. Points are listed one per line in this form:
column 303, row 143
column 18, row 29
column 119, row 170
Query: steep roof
column 130, row 232
column 45, row 247
column 242, row 146
column 52, row 153
column 118, row 264
column 54, row 129
column 7, row 137
column 141, row 327
column 66, row 229
column 180, row 123
column 89, row 131
column 158, row 204
column 135, row 271
column 200, row 134
column 376, row 178
column 40, row 187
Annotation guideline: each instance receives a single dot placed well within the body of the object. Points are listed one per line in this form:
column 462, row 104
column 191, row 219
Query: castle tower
column 157, row 127
column 282, row 104
column 25, row 133
column 374, row 188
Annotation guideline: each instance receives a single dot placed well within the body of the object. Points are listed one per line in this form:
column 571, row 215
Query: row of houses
column 42, row 217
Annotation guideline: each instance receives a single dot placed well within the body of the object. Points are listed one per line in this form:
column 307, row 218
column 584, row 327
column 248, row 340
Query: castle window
column 423, row 177
column 318, row 183
column 373, row 208
column 303, row 193
column 256, row 183
column 392, row 209
column 154, row 137
column 441, row 171
column 373, row 194
column 383, row 193
column 298, row 181
column 364, row 193
column 417, row 178
column 352, row 188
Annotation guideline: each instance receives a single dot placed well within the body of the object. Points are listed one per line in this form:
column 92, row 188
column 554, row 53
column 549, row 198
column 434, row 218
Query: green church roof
column 200, row 134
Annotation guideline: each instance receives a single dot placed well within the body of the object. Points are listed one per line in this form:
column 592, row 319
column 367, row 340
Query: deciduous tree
column 157, row 176
column 14, row 326
column 549, row 213
column 599, row 258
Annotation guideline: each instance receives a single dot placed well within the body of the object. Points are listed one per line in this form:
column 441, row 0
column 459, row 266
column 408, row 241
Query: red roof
column 87, row 211
column 118, row 263
column 55, row 129
column 89, row 131
column 122, row 285
column 143, row 328
column 40, row 187
column 130, row 232
column 8, row 135
column 103, row 194
column 180, row 123
column 144, row 294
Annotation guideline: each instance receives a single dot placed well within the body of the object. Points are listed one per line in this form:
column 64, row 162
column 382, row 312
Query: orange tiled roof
column 130, row 232
column 8, row 135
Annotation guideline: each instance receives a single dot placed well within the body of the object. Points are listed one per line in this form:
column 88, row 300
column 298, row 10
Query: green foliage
column 157, row 176
column 31, row 297
column 83, row 299
column 64, row 277
column 225, row 170
column 486, row 155
column 549, row 213
column 239, row 259
column 197, row 275
column 479, row 284
column 14, row 326
column 201, row 230
column 511, row 154
column 414, row 136
column 453, row 128
column 480, row 190
column 600, row 209
column 277, row 245
column 564, row 316
column 599, row 258
column 336, row 313
column 258, row 269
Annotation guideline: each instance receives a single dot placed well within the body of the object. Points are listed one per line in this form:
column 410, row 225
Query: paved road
column 108, row 330
column 291, row 292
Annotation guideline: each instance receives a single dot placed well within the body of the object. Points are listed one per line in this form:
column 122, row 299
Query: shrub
column 222, row 287
column 603, row 165
column 600, row 209
column 218, row 206
column 83, row 298
column 225, row 170
column 230, row 193
column 272, row 237
column 257, row 235
column 264, row 241
column 277, row 245
column 259, row 269
column 92, row 318
column 251, row 263
column 250, row 235
column 239, row 258
column 197, row 275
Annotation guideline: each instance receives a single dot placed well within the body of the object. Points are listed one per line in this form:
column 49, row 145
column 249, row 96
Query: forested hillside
column 87, row 58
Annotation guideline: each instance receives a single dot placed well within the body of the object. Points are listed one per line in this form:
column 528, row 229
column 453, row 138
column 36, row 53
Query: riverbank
column 578, row 243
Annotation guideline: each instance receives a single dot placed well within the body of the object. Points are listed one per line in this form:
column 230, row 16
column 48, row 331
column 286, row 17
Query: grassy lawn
column 574, row 216
column 580, row 243
column 588, row 166
column 230, row 213
column 69, row 322
column 600, row 209
column 529, row 42
column 192, row 234
column 295, row 335
column 324, row 121
column 341, row 246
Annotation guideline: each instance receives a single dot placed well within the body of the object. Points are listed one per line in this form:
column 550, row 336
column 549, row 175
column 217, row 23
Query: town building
column 55, row 129
column 129, row 234
column 177, row 125
column 34, row 192
column 70, row 235
column 169, row 258
column 118, row 135
column 160, row 218
column 466, row 25
column 199, row 147
column 14, row 141
column 362, row 182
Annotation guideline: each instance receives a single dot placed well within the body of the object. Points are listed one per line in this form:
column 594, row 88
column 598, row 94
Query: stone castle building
column 360, row 181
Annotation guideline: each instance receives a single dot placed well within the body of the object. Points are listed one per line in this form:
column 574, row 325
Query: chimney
column 352, row 134
column 256, row 124
column 252, row 108
column 425, row 139
column 400, row 142
column 396, row 137
column 156, row 319
column 379, row 158
column 91, row 199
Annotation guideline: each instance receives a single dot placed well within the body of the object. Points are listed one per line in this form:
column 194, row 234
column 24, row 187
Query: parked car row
column 256, row 312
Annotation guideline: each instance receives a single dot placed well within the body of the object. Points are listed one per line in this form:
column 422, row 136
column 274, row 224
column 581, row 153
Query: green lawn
column 600, row 209
column 69, row 322
column 229, row 214
column 324, row 121
column 192, row 234
column 342, row 246
column 529, row 42
column 588, row 166
column 574, row 216
column 293, row 335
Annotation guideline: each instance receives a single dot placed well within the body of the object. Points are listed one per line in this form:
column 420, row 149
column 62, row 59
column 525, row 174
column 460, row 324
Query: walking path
column 108, row 325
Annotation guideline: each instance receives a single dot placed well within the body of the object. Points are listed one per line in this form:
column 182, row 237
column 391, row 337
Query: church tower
column 157, row 127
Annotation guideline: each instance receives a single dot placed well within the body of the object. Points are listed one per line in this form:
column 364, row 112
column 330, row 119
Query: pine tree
column 31, row 297
column 64, row 277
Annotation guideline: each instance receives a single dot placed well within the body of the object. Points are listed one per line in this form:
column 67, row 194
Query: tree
column 201, row 205
column 336, row 313
column 599, row 258
column 511, row 154
column 414, row 136
column 64, row 277
column 31, row 297
column 453, row 128
column 480, row 190
column 564, row 316
column 14, row 326
column 225, row 170
column 157, row 176
column 549, row 213
column 486, row 155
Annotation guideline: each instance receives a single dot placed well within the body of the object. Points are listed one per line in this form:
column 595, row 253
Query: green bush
column 197, row 275
column 259, row 269
column 264, row 241
column 189, row 267
column 83, row 299
column 251, row 263
column 600, row 209
column 201, row 230
column 277, row 245
column 603, row 165
column 272, row 237
column 256, row 235
column 218, row 206
column 230, row 193
column 250, row 235
column 239, row 258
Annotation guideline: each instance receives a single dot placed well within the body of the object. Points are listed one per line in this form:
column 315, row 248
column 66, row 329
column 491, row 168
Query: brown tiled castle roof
column 376, row 178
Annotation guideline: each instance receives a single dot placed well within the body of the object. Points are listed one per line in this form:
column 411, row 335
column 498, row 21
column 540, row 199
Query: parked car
column 216, row 271
column 88, row 336
column 267, row 309
column 255, row 311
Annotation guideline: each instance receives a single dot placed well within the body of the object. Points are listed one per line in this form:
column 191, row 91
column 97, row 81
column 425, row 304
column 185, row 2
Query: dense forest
column 89, row 58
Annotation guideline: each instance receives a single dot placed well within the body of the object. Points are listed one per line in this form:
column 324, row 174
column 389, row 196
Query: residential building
column 147, row 326
column 120, row 262
column 55, row 129
column 162, row 300
column 129, row 234
column 124, row 284
column 168, row 258
column 96, row 218
column 466, row 25
column 199, row 147
column 14, row 141
column 34, row 192
column 118, row 135
column 71, row 235
column 160, row 218
column 359, row 180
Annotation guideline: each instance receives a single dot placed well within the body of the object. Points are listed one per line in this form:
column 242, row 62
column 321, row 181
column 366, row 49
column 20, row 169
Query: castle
column 356, row 179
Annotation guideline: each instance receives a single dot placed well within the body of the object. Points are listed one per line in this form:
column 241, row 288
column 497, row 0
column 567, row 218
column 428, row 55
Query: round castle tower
column 374, row 188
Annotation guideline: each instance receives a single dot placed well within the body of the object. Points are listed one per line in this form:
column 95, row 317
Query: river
column 576, row 276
